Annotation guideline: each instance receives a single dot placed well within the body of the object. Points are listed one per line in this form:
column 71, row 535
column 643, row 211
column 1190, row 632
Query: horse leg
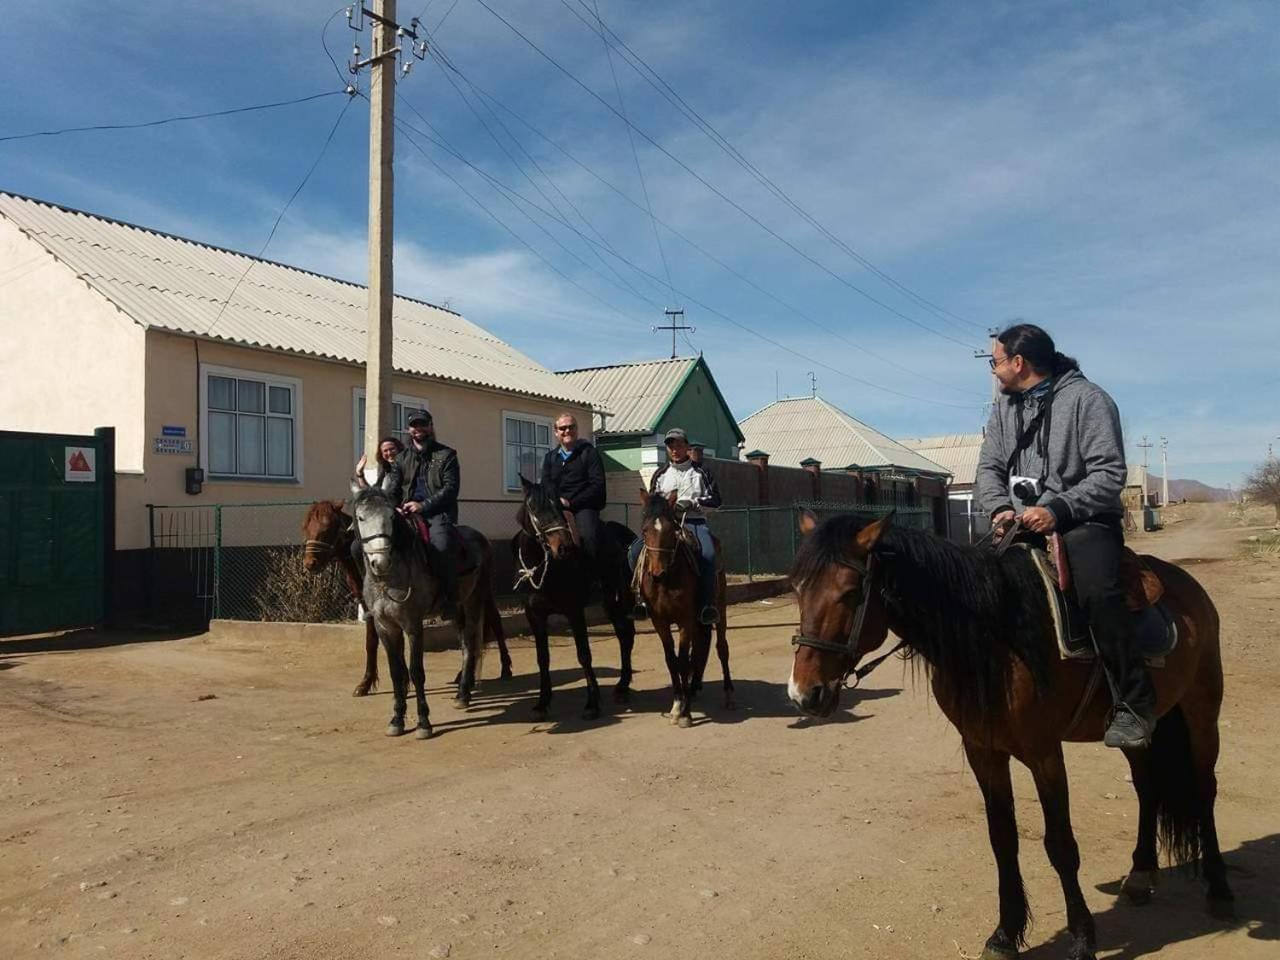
column 663, row 630
column 701, row 654
column 1140, row 884
column 1202, row 726
column 393, row 642
column 542, row 645
column 991, row 768
column 418, row 671
column 624, row 629
column 722, row 651
column 1050, row 774
column 369, row 682
column 493, row 624
column 582, row 640
column 466, row 673
column 472, row 638
column 691, row 634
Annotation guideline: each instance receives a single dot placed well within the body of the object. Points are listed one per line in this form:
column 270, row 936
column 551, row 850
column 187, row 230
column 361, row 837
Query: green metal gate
column 56, row 507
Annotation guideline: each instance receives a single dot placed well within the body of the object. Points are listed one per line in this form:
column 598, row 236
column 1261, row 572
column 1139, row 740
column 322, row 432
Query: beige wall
column 71, row 361
column 467, row 418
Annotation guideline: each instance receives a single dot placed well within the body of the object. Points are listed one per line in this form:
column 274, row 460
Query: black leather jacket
column 580, row 479
column 443, row 478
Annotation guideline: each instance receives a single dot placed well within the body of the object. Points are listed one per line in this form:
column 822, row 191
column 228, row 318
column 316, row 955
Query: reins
column 849, row 649
column 536, row 575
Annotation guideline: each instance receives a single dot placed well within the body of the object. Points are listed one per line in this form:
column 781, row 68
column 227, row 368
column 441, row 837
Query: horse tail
column 1178, row 794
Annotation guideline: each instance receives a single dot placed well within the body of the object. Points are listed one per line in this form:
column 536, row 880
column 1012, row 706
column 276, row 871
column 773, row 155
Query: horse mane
column 968, row 613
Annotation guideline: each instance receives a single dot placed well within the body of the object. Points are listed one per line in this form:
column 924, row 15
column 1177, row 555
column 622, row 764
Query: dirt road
column 273, row 819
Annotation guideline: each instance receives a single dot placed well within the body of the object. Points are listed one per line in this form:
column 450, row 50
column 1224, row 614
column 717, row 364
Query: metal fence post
column 750, row 569
column 217, row 560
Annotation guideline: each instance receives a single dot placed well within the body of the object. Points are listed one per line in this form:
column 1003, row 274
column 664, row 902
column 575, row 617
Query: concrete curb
column 439, row 637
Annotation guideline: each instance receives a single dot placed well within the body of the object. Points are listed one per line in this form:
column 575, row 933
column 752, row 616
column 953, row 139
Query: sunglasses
column 568, row 429
column 996, row 361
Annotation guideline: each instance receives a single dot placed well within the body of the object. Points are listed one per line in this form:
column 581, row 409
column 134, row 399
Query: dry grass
column 1252, row 514
column 289, row 594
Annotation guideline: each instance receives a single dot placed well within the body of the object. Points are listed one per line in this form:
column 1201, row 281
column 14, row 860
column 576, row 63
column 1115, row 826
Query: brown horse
column 667, row 579
column 981, row 625
column 328, row 534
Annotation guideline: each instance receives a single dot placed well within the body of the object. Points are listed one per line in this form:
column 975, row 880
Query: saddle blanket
column 1156, row 629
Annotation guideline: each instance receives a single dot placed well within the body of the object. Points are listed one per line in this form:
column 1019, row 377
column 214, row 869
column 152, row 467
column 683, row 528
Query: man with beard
column 1053, row 456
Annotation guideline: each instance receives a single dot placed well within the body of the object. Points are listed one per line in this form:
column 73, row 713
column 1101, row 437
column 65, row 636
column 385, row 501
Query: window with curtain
column 526, row 440
column 251, row 427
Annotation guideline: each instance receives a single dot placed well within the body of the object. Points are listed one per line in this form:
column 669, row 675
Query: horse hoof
column 1139, row 886
column 590, row 713
column 998, row 953
column 621, row 694
column 539, row 714
column 1222, row 907
column 364, row 688
column 423, row 732
column 506, row 672
column 457, row 679
column 395, row 730
column 730, row 703
column 684, row 722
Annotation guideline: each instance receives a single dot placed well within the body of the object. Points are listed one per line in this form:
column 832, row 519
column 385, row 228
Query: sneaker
column 1127, row 730
column 640, row 611
column 709, row 616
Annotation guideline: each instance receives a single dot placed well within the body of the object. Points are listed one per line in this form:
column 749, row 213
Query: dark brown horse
column 327, row 531
column 981, row 625
column 554, row 580
column 667, row 579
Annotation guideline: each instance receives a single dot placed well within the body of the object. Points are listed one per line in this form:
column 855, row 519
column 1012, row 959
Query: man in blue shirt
column 573, row 474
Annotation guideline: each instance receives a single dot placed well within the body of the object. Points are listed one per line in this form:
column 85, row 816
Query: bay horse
column 401, row 590
column 982, row 627
column 552, row 566
column 326, row 530
column 666, row 577
column 328, row 534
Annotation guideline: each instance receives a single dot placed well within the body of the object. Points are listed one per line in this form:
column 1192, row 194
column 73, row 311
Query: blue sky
column 1110, row 171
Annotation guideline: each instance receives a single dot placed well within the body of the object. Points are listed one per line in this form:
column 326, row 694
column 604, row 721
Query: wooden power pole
column 382, row 102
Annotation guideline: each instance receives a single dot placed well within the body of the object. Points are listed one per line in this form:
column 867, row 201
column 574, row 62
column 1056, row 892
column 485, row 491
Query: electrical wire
column 655, row 80
column 844, row 281
column 283, row 210
column 165, row 120
column 485, row 95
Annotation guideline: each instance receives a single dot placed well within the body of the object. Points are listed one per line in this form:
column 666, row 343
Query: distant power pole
column 1164, row 470
column 813, row 384
column 675, row 323
column 995, row 384
column 1144, row 446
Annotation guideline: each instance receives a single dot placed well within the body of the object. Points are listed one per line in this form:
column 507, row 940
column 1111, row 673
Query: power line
column 283, row 210
column 485, row 95
column 719, row 193
column 655, row 80
column 510, row 192
column 165, row 120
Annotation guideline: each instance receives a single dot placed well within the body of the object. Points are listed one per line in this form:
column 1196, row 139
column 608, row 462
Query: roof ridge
column 634, row 363
column 207, row 246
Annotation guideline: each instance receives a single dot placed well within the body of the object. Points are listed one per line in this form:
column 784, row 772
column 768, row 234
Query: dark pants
column 587, row 520
column 706, row 560
column 1094, row 552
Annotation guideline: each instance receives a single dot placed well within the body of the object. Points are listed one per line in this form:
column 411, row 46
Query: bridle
column 679, row 548
column 849, row 649
column 323, row 550
column 536, row 575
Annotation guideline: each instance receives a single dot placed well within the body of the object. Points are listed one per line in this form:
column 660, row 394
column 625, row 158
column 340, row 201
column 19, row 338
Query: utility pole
column 995, row 384
column 388, row 35
column 1164, row 471
column 813, row 384
column 1144, row 446
column 674, row 325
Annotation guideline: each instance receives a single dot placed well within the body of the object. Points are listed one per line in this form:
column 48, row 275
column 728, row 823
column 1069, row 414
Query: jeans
column 706, row 560
column 1093, row 550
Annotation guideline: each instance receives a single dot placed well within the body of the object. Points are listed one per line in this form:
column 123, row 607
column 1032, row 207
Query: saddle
column 1156, row 630
column 457, row 549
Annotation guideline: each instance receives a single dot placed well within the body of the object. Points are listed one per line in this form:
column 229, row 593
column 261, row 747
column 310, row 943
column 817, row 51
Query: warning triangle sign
column 78, row 463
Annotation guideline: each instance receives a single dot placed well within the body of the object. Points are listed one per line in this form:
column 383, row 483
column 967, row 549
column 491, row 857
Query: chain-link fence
column 244, row 561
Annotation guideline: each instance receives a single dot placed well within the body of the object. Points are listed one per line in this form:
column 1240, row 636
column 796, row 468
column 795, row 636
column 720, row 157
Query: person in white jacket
column 696, row 492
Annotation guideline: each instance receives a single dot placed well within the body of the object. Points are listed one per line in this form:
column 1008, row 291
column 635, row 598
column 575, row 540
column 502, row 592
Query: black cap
column 675, row 433
column 420, row 416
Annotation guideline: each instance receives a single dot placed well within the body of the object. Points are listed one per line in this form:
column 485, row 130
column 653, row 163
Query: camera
column 1026, row 490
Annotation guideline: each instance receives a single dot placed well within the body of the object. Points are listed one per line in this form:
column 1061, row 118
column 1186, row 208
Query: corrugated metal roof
column 794, row 429
column 635, row 394
column 168, row 283
column 956, row 453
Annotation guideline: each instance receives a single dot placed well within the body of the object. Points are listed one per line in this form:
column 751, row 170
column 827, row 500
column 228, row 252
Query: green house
column 639, row 402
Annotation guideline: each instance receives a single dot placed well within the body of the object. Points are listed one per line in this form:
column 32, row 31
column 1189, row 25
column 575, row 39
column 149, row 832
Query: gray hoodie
column 1085, row 450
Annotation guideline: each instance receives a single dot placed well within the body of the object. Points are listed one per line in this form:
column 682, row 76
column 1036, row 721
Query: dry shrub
column 288, row 593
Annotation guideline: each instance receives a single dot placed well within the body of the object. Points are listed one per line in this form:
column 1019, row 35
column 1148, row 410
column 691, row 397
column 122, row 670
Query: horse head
column 376, row 526
column 840, row 619
column 542, row 518
column 660, row 531
column 324, row 531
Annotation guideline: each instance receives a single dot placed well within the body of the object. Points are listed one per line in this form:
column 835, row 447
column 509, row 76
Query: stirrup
column 640, row 611
column 709, row 616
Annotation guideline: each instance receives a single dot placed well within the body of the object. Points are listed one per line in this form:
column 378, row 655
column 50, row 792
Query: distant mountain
column 1192, row 490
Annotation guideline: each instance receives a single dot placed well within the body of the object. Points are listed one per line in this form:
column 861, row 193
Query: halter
column 324, row 549
column 849, row 649
column 536, row 575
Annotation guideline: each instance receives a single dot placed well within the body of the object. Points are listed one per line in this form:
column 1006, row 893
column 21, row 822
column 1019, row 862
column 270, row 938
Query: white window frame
column 357, row 394
column 534, row 418
column 271, row 380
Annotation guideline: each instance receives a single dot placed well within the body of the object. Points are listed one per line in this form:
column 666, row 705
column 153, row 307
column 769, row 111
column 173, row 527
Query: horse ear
column 644, row 497
column 339, row 504
column 358, row 486
column 526, row 483
column 869, row 536
column 808, row 523
column 672, row 497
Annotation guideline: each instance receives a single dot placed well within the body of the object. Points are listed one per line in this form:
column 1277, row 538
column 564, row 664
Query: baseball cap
column 421, row 416
column 675, row 433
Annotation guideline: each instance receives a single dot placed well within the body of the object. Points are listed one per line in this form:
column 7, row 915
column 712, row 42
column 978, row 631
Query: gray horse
column 400, row 591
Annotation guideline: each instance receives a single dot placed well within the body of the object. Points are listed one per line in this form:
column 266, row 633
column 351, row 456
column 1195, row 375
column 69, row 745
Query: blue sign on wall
column 173, row 431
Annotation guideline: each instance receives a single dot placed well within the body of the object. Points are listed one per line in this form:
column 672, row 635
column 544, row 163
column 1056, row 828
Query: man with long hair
column 1053, row 456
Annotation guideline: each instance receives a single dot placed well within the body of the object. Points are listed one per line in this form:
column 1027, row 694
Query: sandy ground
column 185, row 798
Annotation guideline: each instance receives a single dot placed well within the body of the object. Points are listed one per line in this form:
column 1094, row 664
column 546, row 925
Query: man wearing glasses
column 1053, row 457
column 572, row 472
